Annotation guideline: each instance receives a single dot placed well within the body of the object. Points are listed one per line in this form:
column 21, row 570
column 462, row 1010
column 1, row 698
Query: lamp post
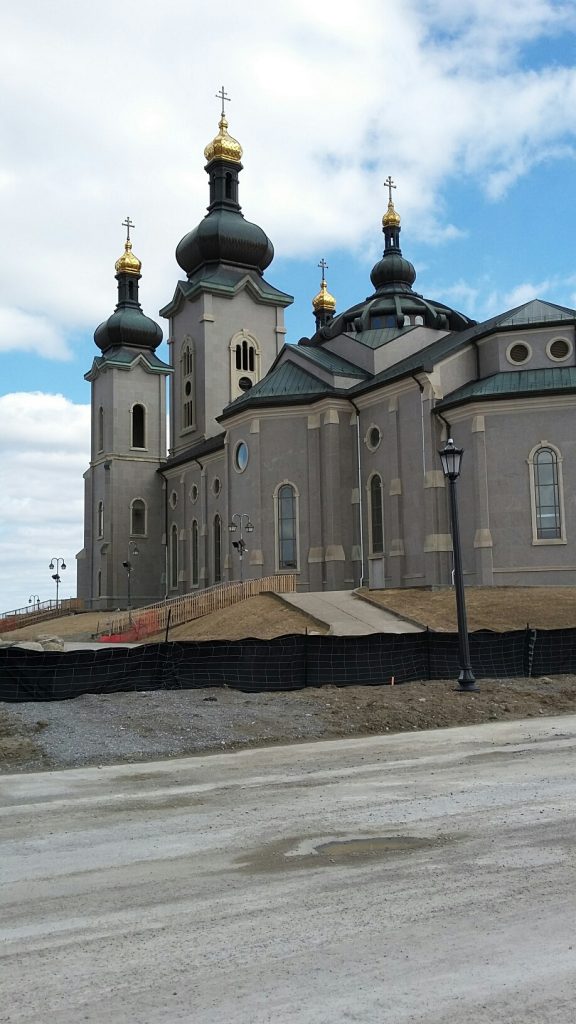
column 237, row 522
column 451, row 458
column 132, row 551
column 60, row 564
column 34, row 600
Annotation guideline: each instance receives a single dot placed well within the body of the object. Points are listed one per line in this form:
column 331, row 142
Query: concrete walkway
column 348, row 615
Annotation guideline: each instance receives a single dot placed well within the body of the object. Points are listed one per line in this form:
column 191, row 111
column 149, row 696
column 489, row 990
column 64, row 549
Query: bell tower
column 123, row 492
column 226, row 320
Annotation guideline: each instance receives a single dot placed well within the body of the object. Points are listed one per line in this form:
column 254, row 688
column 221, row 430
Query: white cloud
column 325, row 107
column 32, row 333
column 44, row 451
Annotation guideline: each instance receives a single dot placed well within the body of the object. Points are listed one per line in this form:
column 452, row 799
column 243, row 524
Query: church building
column 320, row 458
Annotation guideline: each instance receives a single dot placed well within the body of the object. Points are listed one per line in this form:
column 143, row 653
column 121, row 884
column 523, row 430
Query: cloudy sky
column 469, row 104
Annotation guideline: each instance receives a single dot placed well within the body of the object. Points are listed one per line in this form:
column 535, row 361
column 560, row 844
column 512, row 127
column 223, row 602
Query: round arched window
column 241, row 456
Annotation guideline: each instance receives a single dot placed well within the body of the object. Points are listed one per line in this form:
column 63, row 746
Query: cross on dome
column 223, row 95
column 389, row 184
column 128, row 224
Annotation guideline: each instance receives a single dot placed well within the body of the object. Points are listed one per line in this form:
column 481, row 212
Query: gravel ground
column 106, row 729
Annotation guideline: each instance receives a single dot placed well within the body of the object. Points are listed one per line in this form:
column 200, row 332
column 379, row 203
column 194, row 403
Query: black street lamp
column 132, row 551
column 240, row 544
column 451, row 458
column 60, row 564
column 34, row 600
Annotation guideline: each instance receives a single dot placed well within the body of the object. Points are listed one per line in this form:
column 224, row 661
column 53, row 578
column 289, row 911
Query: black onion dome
column 225, row 236
column 393, row 272
column 128, row 327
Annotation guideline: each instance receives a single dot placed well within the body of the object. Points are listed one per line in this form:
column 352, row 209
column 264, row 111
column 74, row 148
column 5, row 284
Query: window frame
column 144, row 509
column 217, row 548
column 174, row 559
column 194, row 554
column 535, row 485
column 100, row 520
column 138, row 447
column 281, row 566
column 372, row 551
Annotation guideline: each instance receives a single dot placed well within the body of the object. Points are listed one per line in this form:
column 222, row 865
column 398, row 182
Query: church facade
column 321, row 458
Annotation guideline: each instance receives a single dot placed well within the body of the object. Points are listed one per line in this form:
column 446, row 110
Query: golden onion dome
column 324, row 300
column 128, row 263
column 391, row 218
column 223, row 147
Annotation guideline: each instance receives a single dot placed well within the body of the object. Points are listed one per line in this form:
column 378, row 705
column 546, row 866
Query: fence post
column 530, row 648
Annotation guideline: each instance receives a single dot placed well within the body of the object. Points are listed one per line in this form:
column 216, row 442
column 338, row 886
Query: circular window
column 518, row 352
column 216, row 485
column 244, row 383
column 173, row 499
column 559, row 349
column 373, row 438
column 241, row 456
column 187, row 389
column 194, row 493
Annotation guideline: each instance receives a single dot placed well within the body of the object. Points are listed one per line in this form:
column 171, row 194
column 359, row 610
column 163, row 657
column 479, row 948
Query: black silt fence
column 284, row 663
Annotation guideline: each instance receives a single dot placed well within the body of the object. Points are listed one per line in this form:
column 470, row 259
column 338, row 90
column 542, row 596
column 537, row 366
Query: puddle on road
column 328, row 851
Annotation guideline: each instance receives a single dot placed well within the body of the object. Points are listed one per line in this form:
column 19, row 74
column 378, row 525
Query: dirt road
column 424, row 877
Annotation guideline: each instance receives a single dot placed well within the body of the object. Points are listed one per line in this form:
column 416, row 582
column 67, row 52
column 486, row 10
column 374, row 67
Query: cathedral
column 320, row 458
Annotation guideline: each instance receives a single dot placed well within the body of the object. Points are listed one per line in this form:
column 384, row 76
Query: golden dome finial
column 128, row 263
column 324, row 301
column 390, row 218
column 223, row 147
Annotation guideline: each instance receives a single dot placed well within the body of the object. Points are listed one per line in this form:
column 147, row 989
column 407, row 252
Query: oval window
column 173, row 499
column 241, row 456
column 216, row 485
column 373, row 438
column 244, row 383
column 194, row 493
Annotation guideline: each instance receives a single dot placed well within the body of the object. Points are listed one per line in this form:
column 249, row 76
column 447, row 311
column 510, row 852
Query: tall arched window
column 545, row 464
column 217, row 549
column 187, row 364
column 194, row 554
column 174, row 556
column 287, row 526
column 100, row 429
column 376, row 522
column 138, row 426
column 100, row 520
column 138, row 518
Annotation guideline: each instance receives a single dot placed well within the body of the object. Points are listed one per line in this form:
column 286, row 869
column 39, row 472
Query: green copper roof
column 288, row 383
column 514, row 384
column 124, row 358
column 535, row 312
column 380, row 336
column 226, row 281
column 330, row 361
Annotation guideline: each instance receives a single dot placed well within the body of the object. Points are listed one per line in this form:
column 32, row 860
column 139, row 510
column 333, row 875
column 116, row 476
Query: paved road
column 424, row 877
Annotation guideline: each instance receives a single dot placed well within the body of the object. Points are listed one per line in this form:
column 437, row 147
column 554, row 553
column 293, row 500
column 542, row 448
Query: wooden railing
column 34, row 613
column 145, row 622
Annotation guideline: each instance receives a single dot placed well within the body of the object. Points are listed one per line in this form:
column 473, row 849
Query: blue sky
column 469, row 105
